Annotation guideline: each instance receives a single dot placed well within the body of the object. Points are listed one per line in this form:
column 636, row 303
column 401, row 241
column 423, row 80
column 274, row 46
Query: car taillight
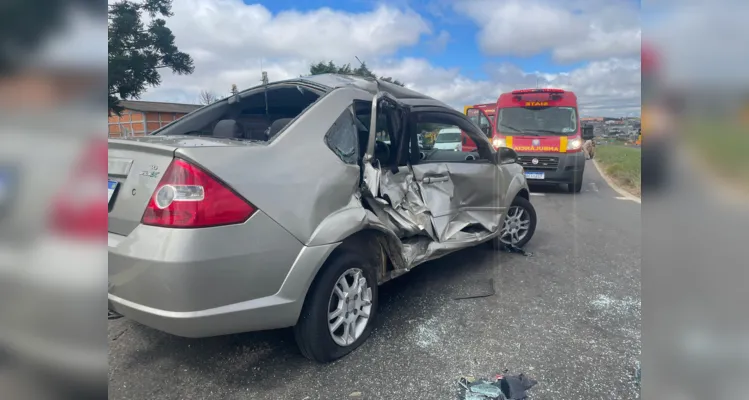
column 78, row 210
column 188, row 197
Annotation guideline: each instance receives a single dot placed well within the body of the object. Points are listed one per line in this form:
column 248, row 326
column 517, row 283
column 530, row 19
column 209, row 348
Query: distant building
column 140, row 118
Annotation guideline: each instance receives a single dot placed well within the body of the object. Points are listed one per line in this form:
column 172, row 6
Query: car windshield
column 448, row 137
column 549, row 120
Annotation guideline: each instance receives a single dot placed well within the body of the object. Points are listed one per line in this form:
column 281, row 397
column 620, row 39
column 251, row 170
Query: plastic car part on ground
column 504, row 387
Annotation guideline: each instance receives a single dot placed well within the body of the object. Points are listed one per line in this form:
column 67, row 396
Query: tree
column 330, row 68
column 137, row 53
column 234, row 89
column 207, row 97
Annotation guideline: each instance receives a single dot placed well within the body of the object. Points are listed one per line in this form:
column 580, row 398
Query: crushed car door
column 389, row 188
column 461, row 190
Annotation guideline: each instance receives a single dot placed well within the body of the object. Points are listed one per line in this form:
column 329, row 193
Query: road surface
column 569, row 316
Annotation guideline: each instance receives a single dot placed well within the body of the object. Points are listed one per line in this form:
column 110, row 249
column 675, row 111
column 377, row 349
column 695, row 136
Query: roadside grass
column 723, row 146
column 622, row 164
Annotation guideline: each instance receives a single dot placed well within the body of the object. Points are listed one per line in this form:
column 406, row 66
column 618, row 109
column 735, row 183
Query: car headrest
column 228, row 128
column 277, row 125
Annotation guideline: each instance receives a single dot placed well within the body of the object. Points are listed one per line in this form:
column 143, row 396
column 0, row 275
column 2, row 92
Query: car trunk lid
column 135, row 167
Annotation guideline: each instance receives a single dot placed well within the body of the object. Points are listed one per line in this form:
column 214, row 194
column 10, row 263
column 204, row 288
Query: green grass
column 622, row 164
column 723, row 145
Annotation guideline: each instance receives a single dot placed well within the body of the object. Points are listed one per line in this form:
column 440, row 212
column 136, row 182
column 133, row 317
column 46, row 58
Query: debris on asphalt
column 490, row 292
column 515, row 387
column 637, row 375
column 503, row 388
column 487, row 390
column 113, row 315
column 511, row 248
column 355, row 394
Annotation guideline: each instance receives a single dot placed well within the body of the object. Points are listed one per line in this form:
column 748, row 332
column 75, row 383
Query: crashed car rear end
column 281, row 207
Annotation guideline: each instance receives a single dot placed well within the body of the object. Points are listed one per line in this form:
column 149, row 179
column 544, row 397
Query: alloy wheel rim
column 349, row 307
column 515, row 226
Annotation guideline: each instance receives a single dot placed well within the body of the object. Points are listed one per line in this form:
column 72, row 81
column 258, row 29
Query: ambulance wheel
column 575, row 186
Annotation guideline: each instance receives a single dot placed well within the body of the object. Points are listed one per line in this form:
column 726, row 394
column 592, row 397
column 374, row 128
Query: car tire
column 526, row 205
column 575, row 186
column 312, row 332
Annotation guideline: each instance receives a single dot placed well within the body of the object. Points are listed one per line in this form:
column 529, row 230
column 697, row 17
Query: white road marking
column 593, row 186
column 627, row 198
column 538, row 194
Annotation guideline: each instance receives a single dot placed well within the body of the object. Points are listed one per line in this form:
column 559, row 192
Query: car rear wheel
column 519, row 224
column 339, row 310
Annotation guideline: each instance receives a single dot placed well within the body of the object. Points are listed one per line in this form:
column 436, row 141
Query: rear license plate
column 534, row 175
column 112, row 187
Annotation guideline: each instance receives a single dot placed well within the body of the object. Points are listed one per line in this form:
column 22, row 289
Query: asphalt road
column 568, row 316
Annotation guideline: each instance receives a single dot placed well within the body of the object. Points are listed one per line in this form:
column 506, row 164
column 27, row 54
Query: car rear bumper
column 556, row 167
column 230, row 287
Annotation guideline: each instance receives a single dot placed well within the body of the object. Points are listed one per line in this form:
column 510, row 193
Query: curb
column 622, row 192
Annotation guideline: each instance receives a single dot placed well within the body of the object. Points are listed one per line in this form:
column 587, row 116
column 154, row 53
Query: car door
column 478, row 117
column 462, row 191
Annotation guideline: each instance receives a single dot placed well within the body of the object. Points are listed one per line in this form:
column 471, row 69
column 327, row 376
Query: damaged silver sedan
column 288, row 204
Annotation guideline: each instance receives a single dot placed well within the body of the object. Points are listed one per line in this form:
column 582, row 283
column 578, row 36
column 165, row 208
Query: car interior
column 248, row 118
column 387, row 140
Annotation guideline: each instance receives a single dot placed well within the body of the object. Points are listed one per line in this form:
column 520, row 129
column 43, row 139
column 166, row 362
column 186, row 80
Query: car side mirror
column 506, row 155
column 588, row 133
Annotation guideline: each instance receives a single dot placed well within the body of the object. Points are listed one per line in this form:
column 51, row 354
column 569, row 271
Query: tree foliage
column 136, row 52
column 331, row 68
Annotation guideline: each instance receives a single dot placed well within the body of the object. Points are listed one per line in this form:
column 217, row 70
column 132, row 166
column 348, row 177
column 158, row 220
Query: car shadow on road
column 547, row 188
column 260, row 359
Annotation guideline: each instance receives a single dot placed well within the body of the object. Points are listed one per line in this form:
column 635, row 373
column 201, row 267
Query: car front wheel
column 519, row 224
column 339, row 310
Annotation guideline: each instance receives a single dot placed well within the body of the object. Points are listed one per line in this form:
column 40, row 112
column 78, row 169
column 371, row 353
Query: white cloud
column 610, row 86
column 440, row 42
column 572, row 30
column 703, row 44
column 223, row 26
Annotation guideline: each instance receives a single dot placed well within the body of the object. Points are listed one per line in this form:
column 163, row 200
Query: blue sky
column 459, row 51
column 462, row 49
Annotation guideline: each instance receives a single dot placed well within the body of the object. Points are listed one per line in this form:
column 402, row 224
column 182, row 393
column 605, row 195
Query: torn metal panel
column 406, row 205
column 460, row 196
column 432, row 215
column 372, row 179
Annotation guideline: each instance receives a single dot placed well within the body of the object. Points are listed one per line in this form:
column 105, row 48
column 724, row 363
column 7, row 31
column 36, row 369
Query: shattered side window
column 342, row 138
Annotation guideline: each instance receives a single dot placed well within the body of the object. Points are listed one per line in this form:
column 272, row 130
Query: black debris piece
column 510, row 248
column 505, row 387
column 490, row 292
column 113, row 315
column 515, row 387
